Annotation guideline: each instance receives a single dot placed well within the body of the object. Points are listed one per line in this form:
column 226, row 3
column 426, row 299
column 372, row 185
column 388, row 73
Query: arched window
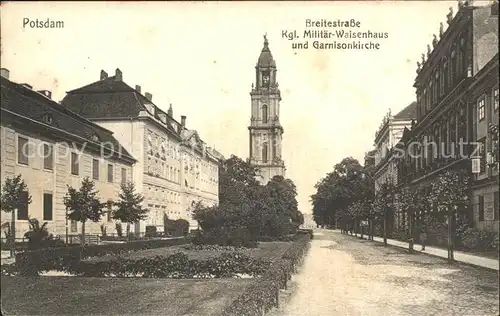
column 453, row 72
column 264, row 152
column 264, row 113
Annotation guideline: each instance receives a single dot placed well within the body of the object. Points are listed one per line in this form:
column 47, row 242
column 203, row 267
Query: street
column 344, row 275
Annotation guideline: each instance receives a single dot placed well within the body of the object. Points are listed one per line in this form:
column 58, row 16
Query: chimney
column 170, row 111
column 118, row 75
column 46, row 93
column 183, row 121
column 5, row 73
column 149, row 96
column 27, row 85
column 138, row 88
column 104, row 75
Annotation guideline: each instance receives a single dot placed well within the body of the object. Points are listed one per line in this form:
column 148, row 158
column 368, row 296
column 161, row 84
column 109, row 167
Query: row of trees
column 83, row 204
column 346, row 195
column 264, row 210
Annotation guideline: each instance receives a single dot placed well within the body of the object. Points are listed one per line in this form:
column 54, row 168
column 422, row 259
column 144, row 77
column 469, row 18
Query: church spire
column 266, row 44
column 266, row 58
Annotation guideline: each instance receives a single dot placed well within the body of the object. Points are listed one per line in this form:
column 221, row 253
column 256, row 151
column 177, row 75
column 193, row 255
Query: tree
column 348, row 183
column 84, row 205
column 129, row 206
column 237, row 182
column 10, row 199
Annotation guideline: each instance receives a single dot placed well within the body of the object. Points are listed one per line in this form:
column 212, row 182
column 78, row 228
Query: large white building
column 175, row 169
column 388, row 135
column 265, row 130
column 53, row 148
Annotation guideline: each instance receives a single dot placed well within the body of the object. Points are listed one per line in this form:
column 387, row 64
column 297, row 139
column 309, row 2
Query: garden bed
column 265, row 250
column 117, row 296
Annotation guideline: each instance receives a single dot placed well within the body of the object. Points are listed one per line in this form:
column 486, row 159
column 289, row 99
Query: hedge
column 263, row 293
column 32, row 262
column 176, row 266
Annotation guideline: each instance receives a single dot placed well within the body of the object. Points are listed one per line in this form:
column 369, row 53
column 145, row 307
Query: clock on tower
column 265, row 79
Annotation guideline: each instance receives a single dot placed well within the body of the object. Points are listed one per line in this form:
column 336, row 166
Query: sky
column 200, row 57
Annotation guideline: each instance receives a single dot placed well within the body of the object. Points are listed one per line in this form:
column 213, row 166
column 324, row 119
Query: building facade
column 265, row 130
column 53, row 148
column 388, row 135
column 484, row 97
column 385, row 162
column 449, row 96
column 175, row 169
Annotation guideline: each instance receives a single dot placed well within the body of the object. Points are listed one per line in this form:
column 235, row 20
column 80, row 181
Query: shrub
column 263, row 293
column 177, row 228
column 494, row 243
column 119, row 230
column 175, row 266
column 239, row 237
column 475, row 239
column 61, row 259
column 150, row 231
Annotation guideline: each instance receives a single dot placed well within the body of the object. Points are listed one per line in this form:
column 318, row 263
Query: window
column 95, row 169
column 124, row 175
column 480, row 110
column 75, row 166
column 264, row 152
column 445, row 79
column 452, row 68
column 264, row 113
column 48, row 157
column 47, row 206
column 437, row 93
column 22, row 150
column 74, row 226
column 22, row 210
column 495, row 99
column 441, row 81
column 110, row 173
column 481, row 208
column 482, row 153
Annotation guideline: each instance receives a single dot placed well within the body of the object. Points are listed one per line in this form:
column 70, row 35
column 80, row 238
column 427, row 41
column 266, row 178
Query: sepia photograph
column 249, row 158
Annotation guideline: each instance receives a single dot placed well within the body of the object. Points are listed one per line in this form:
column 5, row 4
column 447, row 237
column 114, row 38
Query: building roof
column 108, row 98
column 408, row 113
column 27, row 103
column 266, row 58
column 112, row 98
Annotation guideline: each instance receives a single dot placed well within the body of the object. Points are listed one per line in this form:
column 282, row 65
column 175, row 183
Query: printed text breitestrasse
column 330, row 23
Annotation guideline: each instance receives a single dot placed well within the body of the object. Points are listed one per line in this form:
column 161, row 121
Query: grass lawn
column 117, row 296
column 266, row 250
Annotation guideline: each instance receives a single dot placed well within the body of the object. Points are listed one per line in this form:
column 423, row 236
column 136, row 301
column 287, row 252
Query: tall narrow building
column 265, row 129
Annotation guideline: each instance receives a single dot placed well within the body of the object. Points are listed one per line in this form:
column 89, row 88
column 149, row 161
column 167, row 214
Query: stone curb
column 455, row 262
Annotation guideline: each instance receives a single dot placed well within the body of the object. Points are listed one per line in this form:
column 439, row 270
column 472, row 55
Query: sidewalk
column 459, row 256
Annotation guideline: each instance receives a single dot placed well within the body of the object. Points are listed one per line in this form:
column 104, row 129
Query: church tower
column 265, row 129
